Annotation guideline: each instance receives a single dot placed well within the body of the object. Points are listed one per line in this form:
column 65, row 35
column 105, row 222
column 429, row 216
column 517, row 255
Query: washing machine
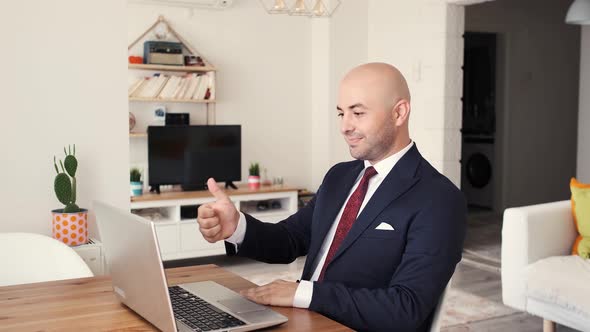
column 477, row 171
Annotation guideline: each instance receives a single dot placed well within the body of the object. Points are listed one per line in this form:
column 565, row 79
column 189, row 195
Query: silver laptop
column 132, row 252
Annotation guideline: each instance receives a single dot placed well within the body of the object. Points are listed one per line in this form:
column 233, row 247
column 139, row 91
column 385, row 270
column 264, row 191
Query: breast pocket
column 381, row 234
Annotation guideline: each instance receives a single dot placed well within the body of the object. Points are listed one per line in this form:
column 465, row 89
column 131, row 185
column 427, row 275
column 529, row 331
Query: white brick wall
column 423, row 38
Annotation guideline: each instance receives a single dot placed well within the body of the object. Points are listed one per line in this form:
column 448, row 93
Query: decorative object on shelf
column 135, row 182
column 178, row 119
column 254, row 176
column 161, row 31
column 262, row 206
column 309, row 8
column 163, row 53
column 277, row 181
column 135, row 59
column 70, row 224
column 191, row 60
column 265, row 180
column 131, row 121
column 160, row 116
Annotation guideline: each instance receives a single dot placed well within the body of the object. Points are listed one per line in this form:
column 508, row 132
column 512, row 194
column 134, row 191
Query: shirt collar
column 384, row 166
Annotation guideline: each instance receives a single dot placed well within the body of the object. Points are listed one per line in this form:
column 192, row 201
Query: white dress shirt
column 304, row 291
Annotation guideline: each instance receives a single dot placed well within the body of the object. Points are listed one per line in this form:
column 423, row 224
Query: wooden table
column 89, row 304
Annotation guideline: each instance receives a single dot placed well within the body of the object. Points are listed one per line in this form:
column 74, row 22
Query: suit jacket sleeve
column 433, row 248
column 276, row 243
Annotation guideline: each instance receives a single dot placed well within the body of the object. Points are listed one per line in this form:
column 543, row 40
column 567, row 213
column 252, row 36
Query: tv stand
column 155, row 188
column 178, row 233
column 230, row 184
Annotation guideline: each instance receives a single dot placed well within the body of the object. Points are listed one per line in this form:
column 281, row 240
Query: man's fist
column 217, row 220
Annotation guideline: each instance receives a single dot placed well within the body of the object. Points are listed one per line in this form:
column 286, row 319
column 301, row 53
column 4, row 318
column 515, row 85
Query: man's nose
column 346, row 125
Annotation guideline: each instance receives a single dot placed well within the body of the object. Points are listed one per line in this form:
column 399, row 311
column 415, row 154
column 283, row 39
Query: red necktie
column 348, row 216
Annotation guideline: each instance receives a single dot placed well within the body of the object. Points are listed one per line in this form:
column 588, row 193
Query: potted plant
column 70, row 224
column 136, row 183
column 254, row 176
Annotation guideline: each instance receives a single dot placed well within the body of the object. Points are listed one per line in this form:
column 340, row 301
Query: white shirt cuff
column 238, row 236
column 303, row 294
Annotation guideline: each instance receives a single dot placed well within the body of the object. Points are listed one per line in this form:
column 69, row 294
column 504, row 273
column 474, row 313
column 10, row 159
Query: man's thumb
column 214, row 190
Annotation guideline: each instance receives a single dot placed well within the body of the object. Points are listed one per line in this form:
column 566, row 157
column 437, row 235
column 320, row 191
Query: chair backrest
column 438, row 312
column 28, row 258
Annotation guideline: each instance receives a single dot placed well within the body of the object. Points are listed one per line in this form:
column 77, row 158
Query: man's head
column 374, row 108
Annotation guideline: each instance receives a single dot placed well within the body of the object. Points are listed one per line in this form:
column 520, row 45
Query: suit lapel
column 334, row 195
column 399, row 180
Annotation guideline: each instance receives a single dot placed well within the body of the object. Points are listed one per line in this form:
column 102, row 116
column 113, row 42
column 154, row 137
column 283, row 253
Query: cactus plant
column 134, row 175
column 65, row 181
column 254, row 169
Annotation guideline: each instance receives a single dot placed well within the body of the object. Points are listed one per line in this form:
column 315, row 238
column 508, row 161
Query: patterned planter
column 254, row 182
column 70, row 228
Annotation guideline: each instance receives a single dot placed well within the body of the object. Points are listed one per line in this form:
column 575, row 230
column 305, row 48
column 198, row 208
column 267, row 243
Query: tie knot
column 369, row 173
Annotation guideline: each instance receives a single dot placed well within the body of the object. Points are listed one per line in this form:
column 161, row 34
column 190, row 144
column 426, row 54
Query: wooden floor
column 468, row 277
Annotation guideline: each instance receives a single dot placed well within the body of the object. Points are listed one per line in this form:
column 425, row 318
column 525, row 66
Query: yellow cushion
column 581, row 212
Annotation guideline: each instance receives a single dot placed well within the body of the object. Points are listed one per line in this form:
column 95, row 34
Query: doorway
column 478, row 130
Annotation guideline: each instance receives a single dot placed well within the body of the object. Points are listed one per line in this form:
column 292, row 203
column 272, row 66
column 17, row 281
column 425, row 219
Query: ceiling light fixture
column 309, row 8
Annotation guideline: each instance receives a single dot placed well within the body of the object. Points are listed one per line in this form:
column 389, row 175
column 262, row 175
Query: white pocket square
column 385, row 227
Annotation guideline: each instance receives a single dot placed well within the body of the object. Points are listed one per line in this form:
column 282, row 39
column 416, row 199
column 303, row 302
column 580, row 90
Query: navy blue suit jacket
column 377, row 280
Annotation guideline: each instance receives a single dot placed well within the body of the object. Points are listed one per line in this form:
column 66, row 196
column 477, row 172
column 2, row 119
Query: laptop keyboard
column 199, row 314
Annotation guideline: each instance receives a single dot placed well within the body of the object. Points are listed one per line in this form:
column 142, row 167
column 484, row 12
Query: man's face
column 366, row 122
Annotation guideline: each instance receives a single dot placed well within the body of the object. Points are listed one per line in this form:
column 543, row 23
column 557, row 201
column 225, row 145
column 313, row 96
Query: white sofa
column 539, row 275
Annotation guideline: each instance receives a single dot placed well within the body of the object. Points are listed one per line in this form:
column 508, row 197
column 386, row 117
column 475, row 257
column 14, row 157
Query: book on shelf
column 134, row 85
column 179, row 86
column 193, row 82
column 183, row 87
column 211, row 85
column 168, row 90
column 190, row 86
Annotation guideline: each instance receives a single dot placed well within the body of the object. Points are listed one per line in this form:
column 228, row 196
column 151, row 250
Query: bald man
column 382, row 234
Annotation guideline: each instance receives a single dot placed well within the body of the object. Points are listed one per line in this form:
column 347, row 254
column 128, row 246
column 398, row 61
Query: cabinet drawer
column 167, row 238
column 191, row 239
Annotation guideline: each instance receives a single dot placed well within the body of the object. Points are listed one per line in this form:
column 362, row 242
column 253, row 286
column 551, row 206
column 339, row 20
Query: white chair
column 438, row 312
column 29, row 258
column 539, row 274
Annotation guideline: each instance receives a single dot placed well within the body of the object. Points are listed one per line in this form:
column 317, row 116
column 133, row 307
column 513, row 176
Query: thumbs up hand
column 217, row 220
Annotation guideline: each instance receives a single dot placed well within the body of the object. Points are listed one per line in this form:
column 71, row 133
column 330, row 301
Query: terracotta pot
column 70, row 228
column 254, row 182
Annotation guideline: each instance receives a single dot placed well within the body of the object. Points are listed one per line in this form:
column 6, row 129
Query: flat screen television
column 189, row 155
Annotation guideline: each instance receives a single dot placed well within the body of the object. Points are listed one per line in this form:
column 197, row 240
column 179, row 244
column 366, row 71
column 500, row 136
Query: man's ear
column 401, row 112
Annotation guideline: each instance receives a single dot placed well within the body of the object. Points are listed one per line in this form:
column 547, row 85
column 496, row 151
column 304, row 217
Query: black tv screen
column 189, row 155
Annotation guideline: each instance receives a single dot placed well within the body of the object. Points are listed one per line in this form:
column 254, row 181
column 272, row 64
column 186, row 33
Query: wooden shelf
column 138, row 135
column 242, row 190
column 197, row 69
column 195, row 101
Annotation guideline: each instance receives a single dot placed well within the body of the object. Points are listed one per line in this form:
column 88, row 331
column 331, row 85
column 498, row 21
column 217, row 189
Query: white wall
column 583, row 163
column 539, row 119
column 63, row 70
column 264, row 81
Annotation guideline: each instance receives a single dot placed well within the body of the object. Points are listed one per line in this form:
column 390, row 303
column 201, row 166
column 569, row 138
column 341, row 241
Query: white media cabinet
column 179, row 238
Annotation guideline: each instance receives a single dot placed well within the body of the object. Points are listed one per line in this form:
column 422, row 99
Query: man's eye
column 358, row 113
column 340, row 114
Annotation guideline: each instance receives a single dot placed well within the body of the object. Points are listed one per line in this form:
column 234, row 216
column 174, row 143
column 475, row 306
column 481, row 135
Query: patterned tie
column 348, row 216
